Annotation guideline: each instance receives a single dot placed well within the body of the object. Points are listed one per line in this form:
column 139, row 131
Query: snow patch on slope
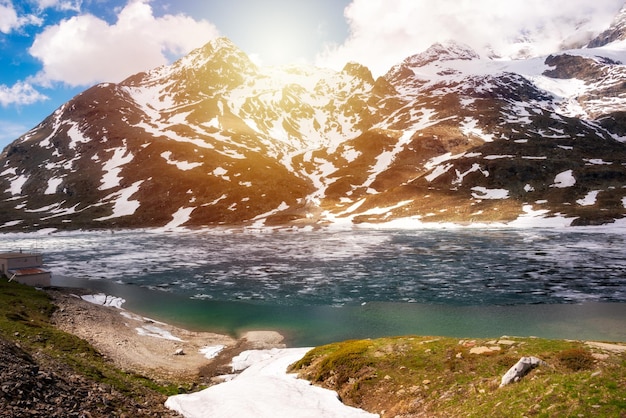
column 179, row 217
column 181, row 165
column 264, row 389
column 564, row 179
column 113, row 167
column 123, row 205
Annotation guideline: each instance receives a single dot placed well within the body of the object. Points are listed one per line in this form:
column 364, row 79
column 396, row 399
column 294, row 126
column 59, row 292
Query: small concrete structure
column 25, row 268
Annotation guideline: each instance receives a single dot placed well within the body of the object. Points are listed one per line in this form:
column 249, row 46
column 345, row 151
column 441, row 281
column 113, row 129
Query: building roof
column 18, row 255
column 28, row 271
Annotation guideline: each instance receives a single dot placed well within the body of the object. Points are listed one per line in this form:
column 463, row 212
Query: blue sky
column 50, row 50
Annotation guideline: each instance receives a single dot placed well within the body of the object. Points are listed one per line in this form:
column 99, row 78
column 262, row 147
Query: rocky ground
column 121, row 336
column 35, row 383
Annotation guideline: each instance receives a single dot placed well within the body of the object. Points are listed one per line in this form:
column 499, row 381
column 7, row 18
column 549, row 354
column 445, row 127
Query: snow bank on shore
column 264, row 389
column 104, row 300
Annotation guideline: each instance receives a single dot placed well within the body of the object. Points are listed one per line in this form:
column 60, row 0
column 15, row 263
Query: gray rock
column 520, row 369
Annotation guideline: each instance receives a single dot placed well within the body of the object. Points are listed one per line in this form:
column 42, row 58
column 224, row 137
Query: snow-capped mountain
column 445, row 135
column 616, row 32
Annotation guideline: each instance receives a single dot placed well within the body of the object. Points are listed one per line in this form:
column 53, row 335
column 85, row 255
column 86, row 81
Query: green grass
column 439, row 376
column 25, row 318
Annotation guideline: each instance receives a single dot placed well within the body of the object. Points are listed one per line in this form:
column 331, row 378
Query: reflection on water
column 356, row 283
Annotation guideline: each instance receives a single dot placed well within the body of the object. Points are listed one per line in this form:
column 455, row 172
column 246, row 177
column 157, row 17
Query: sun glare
column 280, row 43
column 280, row 36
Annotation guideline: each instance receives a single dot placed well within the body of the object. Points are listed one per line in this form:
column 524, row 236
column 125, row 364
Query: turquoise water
column 323, row 286
column 311, row 325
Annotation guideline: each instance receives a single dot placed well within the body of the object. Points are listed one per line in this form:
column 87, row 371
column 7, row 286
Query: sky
column 51, row 50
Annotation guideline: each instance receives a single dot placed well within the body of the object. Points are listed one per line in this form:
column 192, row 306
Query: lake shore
column 171, row 354
column 147, row 347
column 166, row 353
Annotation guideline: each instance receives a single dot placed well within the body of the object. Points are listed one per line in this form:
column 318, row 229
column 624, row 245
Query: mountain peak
column 212, row 140
column 616, row 32
column 219, row 60
column 358, row 70
column 437, row 52
column 219, row 49
column 443, row 51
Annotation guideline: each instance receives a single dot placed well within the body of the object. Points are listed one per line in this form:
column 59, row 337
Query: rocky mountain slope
column 445, row 135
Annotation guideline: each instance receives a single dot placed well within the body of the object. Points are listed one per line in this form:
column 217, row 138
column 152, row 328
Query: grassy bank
column 419, row 376
column 25, row 320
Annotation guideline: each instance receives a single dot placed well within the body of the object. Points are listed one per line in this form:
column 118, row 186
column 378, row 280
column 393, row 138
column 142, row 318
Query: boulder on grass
column 520, row 369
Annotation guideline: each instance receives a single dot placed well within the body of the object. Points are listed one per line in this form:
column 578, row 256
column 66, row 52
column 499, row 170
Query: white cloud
column 84, row 49
column 65, row 5
column 383, row 33
column 9, row 20
column 21, row 93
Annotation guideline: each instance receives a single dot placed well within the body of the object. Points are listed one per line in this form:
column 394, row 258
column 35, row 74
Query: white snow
column 156, row 332
column 13, row 223
column 386, row 210
column 10, row 170
column 221, row 172
column 181, row 165
column 76, row 136
column 112, row 167
column 16, row 185
column 484, row 193
column 60, row 211
column 589, row 199
column 260, row 219
column 469, row 127
column 211, row 351
column 439, row 170
column 475, row 167
column 213, row 123
column 179, row 217
column 350, row 154
column 564, row 179
column 231, row 153
column 53, row 184
column 264, row 390
column 354, row 206
column 435, row 161
column 386, row 158
column 214, row 202
column 497, row 157
column 596, row 161
column 123, row 206
column 536, row 219
column 104, row 300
